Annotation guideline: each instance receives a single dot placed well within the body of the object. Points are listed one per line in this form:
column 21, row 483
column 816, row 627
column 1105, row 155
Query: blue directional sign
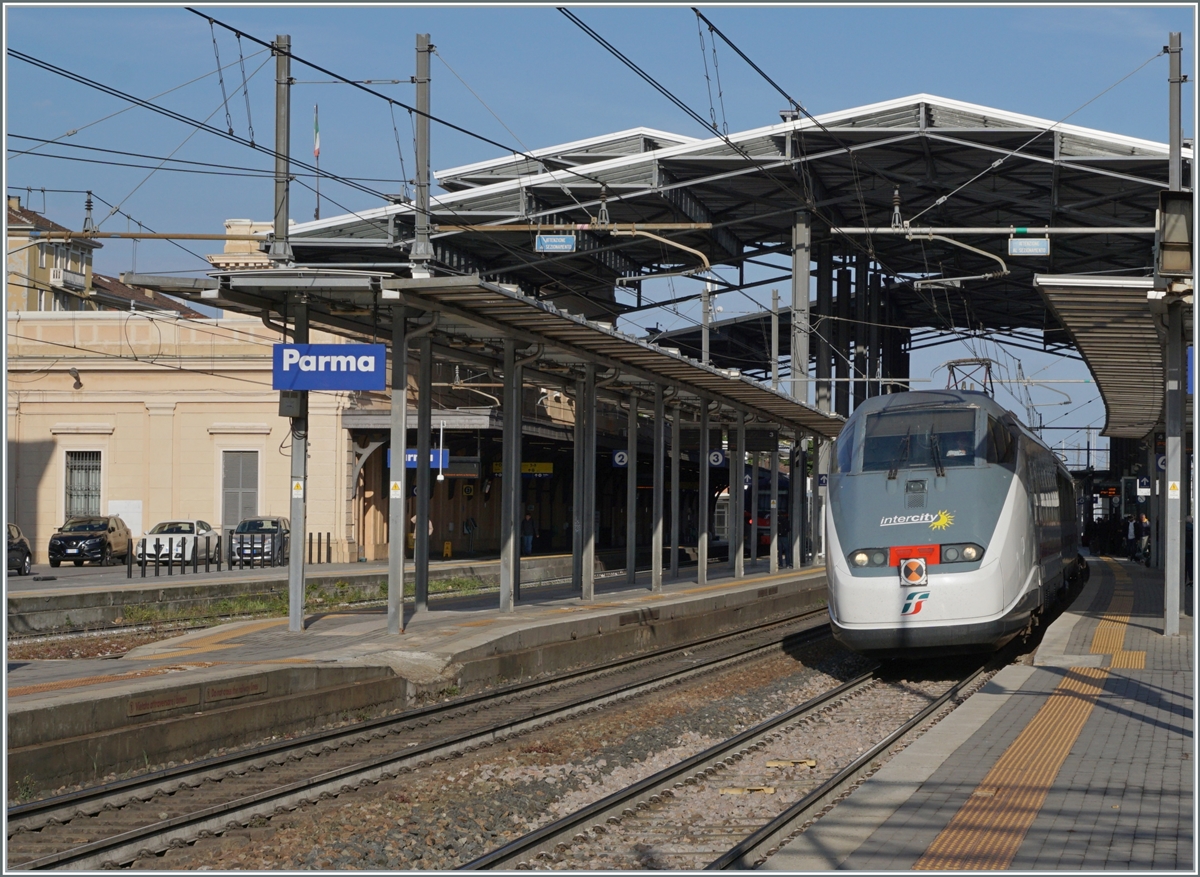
column 822, row 480
column 1029, row 246
column 410, row 459
column 329, row 367
column 555, row 243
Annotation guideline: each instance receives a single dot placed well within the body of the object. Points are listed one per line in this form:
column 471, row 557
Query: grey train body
column 948, row 526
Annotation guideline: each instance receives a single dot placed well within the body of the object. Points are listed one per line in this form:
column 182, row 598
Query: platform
column 1082, row 760
column 238, row 683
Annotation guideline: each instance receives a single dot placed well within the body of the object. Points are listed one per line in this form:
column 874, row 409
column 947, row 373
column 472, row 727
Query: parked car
column 20, row 554
column 263, row 538
column 178, row 540
column 98, row 538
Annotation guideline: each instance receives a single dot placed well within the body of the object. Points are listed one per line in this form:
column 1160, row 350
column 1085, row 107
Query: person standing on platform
column 1130, row 536
column 1143, row 537
column 528, row 531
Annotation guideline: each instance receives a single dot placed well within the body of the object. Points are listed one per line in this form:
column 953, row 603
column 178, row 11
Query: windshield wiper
column 901, row 455
column 935, row 451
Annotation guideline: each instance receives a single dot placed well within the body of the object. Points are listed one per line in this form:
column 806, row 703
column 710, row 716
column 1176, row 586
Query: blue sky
column 544, row 78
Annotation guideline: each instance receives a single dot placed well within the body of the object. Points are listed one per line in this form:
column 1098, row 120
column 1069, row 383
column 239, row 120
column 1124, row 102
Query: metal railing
column 235, row 549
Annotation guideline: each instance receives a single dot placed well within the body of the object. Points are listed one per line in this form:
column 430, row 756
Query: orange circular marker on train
column 913, row 571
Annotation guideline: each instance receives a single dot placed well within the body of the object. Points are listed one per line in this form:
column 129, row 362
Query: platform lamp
column 441, row 450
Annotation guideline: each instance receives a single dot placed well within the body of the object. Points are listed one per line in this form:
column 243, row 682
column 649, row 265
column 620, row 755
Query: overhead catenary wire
column 177, row 148
column 206, row 164
column 180, row 117
column 359, row 85
column 74, row 131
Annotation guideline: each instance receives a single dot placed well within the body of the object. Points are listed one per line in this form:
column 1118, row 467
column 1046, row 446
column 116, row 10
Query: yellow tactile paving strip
column 63, row 684
column 986, row 833
column 214, row 642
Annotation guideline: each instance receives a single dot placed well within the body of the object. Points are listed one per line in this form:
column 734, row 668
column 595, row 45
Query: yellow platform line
column 987, row 831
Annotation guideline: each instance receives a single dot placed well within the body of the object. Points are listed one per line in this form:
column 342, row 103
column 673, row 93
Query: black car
column 90, row 537
column 262, row 539
column 20, row 554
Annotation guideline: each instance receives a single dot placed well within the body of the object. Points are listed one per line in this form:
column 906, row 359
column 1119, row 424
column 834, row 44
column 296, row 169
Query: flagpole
column 317, row 157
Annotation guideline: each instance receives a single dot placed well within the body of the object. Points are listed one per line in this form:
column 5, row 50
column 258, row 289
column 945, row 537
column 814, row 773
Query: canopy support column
column 754, row 508
column 510, row 480
column 702, row 501
column 737, row 496
column 801, row 267
column 577, row 498
column 589, row 485
column 773, row 562
column 397, row 503
column 299, row 426
column 656, row 505
column 675, row 491
column 631, row 493
column 1175, row 412
column 424, row 428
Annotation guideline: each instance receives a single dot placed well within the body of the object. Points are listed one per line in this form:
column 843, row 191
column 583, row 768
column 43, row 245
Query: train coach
column 949, row 527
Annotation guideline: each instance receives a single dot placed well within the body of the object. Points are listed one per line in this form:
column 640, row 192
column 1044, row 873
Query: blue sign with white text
column 410, row 459
column 329, row 367
column 555, row 243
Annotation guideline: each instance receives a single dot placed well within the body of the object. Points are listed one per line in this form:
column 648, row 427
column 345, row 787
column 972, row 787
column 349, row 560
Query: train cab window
column 1001, row 448
column 845, row 450
column 909, row 439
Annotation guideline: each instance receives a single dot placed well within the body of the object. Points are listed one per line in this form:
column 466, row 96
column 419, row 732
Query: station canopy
column 732, row 201
column 846, row 164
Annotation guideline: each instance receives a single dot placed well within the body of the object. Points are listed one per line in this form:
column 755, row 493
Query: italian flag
column 316, row 134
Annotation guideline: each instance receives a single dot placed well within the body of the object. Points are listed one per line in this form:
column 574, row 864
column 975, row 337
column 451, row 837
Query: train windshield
column 908, row 439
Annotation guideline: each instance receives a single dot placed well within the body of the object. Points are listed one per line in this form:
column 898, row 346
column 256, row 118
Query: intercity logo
column 942, row 520
column 913, row 602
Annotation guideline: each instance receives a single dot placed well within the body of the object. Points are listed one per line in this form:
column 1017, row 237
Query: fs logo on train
column 913, row 602
column 913, row 571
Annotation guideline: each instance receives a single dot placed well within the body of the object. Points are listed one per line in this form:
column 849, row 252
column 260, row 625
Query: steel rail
column 749, row 851
column 156, row 835
column 547, row 836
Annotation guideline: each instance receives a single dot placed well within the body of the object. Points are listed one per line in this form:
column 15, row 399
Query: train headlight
column 868, row 557
column 963, row 552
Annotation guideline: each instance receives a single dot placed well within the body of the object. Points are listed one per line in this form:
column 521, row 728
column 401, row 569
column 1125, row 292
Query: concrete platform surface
column 1082, row 760
column 228, row 685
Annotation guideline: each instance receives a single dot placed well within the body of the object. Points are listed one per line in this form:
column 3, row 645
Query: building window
column 239, row 487
column 83, row 483
column 41, row 255
column 60, row 257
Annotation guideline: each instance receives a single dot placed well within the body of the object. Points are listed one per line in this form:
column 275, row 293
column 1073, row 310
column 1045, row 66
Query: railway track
column 763, row 781
column 114, row 824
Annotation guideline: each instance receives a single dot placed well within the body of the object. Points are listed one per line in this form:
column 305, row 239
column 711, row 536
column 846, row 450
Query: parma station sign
column 329, row 367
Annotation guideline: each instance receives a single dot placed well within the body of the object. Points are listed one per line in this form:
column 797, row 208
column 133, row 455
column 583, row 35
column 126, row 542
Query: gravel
column 441, row 816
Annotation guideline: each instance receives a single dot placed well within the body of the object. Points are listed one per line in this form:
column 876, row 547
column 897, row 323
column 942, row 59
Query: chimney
column 14, row 202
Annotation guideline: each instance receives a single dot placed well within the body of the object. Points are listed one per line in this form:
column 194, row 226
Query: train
column 950, row 527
